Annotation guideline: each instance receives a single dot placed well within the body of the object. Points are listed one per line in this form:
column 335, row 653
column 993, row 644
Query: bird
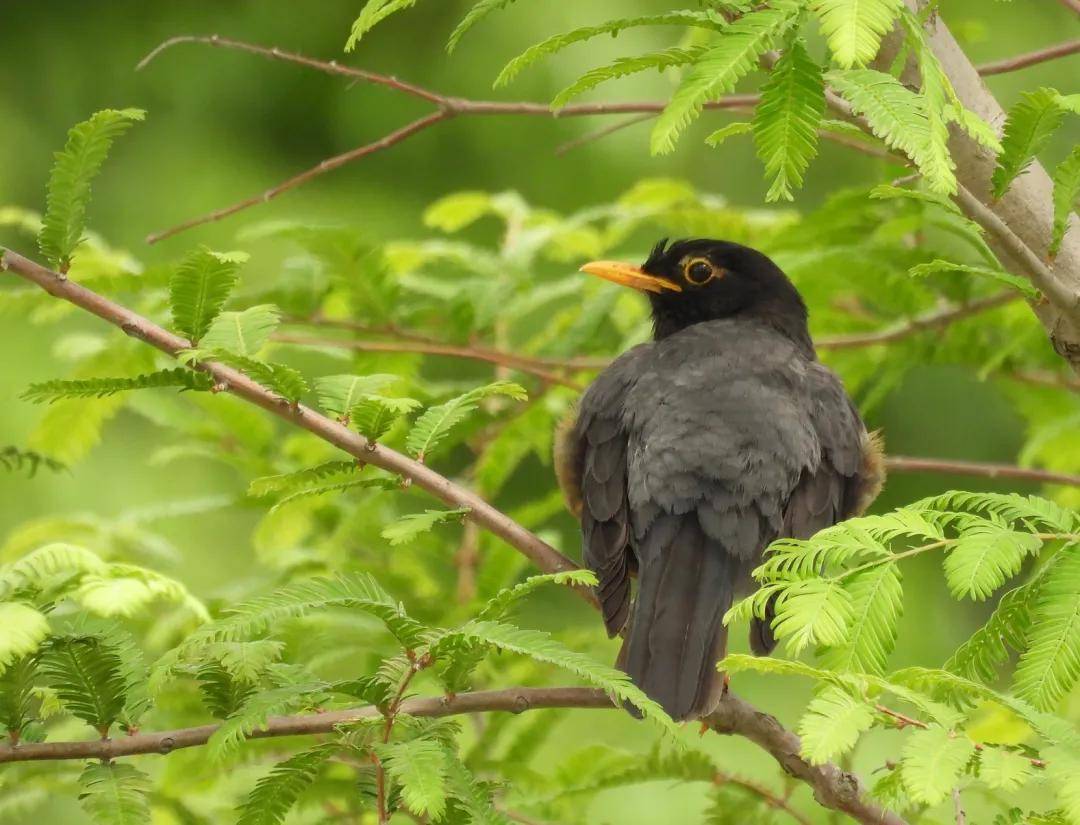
column 690, row 453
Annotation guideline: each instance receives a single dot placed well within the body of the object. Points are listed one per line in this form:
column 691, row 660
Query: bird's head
column 691, row 281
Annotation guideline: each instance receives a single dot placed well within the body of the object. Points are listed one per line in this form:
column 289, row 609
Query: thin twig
column 936, row 319
column 832, row 787
column 599, row 134
column 1021, row 61
column 472, row 353
column 771, row 799
column 909, row 464
column 1071, row 5
column 958, row 807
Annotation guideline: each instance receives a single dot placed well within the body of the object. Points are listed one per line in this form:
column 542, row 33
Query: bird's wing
column 844, row 482
column 590, row 460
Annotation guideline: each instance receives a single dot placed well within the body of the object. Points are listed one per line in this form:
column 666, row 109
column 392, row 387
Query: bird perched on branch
column 691, row 453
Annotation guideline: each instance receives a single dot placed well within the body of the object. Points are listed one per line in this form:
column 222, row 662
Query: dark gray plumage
column 693, row 452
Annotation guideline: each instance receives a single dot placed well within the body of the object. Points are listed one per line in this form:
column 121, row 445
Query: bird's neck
column 787, row 317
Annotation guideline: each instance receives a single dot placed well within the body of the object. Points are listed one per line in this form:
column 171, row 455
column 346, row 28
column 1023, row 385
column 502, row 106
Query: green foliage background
column 224, row 125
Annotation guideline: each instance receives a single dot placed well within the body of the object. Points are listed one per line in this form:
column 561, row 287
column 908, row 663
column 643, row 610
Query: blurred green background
column 224, row 125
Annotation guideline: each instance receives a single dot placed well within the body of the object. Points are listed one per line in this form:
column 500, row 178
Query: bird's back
column 691, row 454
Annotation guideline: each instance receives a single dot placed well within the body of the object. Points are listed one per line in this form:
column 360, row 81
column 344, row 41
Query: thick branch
column 513, row 700
column 832, row 787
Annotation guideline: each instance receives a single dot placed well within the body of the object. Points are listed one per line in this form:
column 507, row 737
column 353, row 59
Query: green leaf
column 504, row 600
column 1066, row 193
column 558, row 42
column 899, row 117
column 1004, row 770
column 876, row 603
column 409, row 527
column 932, row 761
column 472, row 796
column 624, row 66
column 1063, row 771
column 436, row 423
column 283, row 380
column 812, row 611
column 337, row 487
column 87, row 674
column 1028, row 128
column 717, row 71
column 937, row 265
column 114, row 793
column 68, row 195
column 24, row 630
column 991, row 645
column 275, row 794
column 254, row 712
column 478, row 11
column 854, row 28
column 300, row 479
column 985, row 555
column 182, row 377
column 731, row 130
column 199, row 289
column 374, row 415
column 787, row 120
column 1050, row 666
column 420, row 767
column 338, row 394
column 17, row 704
column 241, row 333
column 832, row 724
column 373, row 13
column 935, row 160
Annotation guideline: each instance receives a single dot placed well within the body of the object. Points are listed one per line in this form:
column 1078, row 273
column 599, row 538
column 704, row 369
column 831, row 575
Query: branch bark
column 1025, row 211
column 832, row 787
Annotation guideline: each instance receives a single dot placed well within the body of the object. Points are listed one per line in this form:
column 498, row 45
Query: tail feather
column 676, row 633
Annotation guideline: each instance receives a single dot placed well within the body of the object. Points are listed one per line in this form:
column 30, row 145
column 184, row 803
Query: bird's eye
column 699, row 271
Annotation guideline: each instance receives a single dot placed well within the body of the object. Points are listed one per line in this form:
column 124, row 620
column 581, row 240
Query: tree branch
column 1022, row 61
column 832, row 787
column 512, row 700
column 909, row 464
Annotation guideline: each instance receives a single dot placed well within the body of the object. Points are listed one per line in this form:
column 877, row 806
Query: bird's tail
column 677, row 634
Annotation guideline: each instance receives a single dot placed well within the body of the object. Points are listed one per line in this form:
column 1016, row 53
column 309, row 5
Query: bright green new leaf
column 419, row 766
column 180, row 377
column 624, row 66
column 1004, row 770
column 1050, row 666
column 718, row 69
column 854, row 28
column 1066, row 194
column 409, row 527
column 373, row 13
column 114, row 793
column 241, row 333
column 338, row 394
column 787, row 120
column 68, row 195
column 936, row 266
column 718, row 137
column 436, row 423
column 832, row 724
column 374, row 415
column 24, row 628
column 932, row 761
column 275, row 794
column 1028, row 128
column 199, row 289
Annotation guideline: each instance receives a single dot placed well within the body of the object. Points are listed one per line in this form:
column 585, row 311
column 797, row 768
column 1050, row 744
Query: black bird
column 689, row 454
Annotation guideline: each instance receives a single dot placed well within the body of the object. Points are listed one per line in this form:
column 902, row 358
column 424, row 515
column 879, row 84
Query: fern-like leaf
column 256, row 709
column 718, row 70
column 276, row 793
column 25, row 628
column 74, row 168
column 436, row 423
column 477, row 12
column 88, row 676
column 1028, row 128
column 718, row 137
column 14, row 459
column 181, row 377
column 1022, row 285
column 338, row 394
column 854, row 28
column 558, row 42
column 876, row 604
column 114, row 793
column 17, row 682
column 409, row 527
column 199, row 289
column 1066, row 194
column 985, row 555
column 239, row 333
column 624, row 66
column 1051, row 664
column 300, row 479
column 832, row 724
column 1004, row 770
column 787, row 120
column 419, row 766
column 373, row 13
column 932, row 761
column 374, row 415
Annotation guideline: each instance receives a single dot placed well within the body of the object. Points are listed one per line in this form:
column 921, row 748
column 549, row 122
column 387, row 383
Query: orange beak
column 629, row 275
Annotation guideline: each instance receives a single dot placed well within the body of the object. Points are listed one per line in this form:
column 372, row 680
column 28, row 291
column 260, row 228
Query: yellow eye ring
column 699, row 271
